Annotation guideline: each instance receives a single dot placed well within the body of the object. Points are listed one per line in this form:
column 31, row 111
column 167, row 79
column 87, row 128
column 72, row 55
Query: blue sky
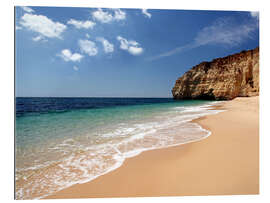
column 98, row 52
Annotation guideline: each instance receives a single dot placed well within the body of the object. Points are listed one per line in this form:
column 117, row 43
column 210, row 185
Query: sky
column 102, row 52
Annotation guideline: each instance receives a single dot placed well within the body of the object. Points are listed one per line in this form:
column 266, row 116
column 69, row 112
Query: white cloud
column 81, row 24
column 88, row 47
column 38, row 38
column 135, row 50
column 102, row 16
column 66, row 55
column 130, row 45
column 254, row 14
column 27, row 9
column 144, row 11
column 123, row 43
column 222, row 32
column 87, row 35
column 107, row 17
column 75, row 68
column 18, row 27
column 42, row 25
column 107, row 46
column 119, row 14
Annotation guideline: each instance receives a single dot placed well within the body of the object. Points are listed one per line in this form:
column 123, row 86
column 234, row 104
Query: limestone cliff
column 221, row 79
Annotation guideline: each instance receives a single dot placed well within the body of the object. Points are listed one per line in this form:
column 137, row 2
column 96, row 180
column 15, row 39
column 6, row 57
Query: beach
column 225, row 163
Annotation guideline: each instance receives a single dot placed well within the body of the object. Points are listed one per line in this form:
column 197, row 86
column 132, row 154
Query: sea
column 63, row 141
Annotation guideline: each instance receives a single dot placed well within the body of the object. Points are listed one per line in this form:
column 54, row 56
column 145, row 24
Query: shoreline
column 216, row 165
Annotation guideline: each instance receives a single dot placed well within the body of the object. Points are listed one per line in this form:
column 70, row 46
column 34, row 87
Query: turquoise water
column 55, row 149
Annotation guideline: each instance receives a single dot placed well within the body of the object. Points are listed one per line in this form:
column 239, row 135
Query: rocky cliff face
column 221, row 79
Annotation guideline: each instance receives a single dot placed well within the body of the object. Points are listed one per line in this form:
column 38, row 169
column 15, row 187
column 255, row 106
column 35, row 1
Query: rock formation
column 225, row 78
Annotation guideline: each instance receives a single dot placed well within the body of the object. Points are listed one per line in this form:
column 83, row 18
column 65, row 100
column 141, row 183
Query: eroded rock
column 221, row 79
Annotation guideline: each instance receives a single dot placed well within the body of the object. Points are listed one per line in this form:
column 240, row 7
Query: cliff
column 225, row 78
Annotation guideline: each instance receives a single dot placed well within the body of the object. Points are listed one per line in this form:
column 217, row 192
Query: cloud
column 107, row 46
column 87, row 35
column 102, row 16
column 130, row 45
column 254, row 14
column 18, row 27
column 144, row 11
column 88, row 47
column 38, row 38
column 42, row 25
column 119, row 14
column 222, row 32
column 27, row 9
column 81, row 24
column 66, row 55
column 135, row 50
column 75, row 68
column 108, row 17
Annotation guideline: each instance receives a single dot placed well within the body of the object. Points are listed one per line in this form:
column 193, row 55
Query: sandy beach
column 225, row 163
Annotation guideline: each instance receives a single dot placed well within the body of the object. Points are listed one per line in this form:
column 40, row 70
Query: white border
column 7, row 86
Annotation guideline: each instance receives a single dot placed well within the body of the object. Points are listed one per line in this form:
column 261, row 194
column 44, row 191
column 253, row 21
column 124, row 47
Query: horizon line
column 84, row 97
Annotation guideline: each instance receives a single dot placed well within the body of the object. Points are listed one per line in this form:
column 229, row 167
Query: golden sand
column 226, row 163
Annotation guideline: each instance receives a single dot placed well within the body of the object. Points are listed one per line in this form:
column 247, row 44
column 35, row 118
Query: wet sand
column 225, row 163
